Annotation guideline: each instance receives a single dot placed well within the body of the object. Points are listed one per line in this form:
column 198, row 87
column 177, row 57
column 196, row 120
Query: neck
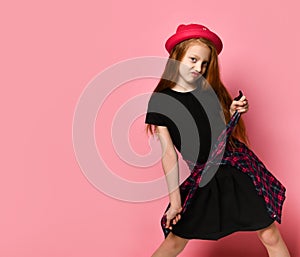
column 185, row 88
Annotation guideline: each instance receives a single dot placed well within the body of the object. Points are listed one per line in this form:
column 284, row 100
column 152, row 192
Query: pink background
column 50, row 51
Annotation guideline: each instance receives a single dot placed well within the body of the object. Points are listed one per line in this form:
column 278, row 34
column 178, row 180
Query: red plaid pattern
column 244, row 160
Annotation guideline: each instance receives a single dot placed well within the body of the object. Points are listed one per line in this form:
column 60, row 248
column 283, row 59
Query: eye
column 193, row 59
column 205, row 64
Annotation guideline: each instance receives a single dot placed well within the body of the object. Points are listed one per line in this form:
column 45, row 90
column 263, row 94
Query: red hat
column 185, row 32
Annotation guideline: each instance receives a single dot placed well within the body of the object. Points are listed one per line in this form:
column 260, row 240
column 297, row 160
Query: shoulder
column 160, row 98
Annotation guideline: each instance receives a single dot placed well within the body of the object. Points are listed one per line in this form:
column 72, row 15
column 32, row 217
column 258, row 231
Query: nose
column 198, row 67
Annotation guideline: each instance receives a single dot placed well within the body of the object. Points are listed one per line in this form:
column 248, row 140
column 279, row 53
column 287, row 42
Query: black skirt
column 228, row 203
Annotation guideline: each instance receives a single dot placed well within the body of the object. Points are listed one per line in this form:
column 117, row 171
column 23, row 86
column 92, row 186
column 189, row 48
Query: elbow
column 170, row 155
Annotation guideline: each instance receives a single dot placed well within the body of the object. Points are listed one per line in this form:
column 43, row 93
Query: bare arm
column 170, row 167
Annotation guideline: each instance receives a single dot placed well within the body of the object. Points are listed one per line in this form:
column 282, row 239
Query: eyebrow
column 198, row 57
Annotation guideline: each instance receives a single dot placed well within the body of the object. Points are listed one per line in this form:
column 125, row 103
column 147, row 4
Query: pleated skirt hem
column 228, row 203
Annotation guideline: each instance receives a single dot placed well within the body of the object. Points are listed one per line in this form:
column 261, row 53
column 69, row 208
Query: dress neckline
column 184, row 92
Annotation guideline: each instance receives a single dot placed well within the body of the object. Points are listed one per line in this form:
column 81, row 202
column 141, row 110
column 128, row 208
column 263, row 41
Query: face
column 193, row 64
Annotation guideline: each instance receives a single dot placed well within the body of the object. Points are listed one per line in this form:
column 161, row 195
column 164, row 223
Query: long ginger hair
column 212, row 76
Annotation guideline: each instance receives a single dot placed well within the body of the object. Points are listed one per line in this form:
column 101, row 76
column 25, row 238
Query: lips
column 195, row 74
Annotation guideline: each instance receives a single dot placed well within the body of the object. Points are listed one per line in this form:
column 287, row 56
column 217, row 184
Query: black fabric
column 187, row 121
column 229, row 202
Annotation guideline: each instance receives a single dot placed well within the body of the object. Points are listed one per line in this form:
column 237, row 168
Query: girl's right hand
column 172, row 216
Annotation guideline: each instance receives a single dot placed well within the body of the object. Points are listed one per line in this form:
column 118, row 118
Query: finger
column 168, row 223
column 246, row 106
column 177, row 218
column 240, row 103
column 235, row 105
column 245, row 102
column 243, row 98
column 242, row 110
column 240, row 107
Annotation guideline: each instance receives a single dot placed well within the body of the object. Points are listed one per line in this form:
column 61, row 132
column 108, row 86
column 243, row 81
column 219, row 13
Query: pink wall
column 51, row 51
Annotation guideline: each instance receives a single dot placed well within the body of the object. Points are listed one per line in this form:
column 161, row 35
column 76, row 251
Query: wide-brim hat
column 189, row 31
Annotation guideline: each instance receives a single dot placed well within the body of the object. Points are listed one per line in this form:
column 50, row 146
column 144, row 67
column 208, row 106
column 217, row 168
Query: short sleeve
column 154, row 114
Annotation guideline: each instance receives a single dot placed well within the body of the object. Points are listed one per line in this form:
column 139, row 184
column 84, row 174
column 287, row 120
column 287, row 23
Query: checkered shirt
column 242, row 158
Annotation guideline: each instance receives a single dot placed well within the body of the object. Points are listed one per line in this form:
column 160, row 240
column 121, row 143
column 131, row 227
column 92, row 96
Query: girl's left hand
column 241, row 105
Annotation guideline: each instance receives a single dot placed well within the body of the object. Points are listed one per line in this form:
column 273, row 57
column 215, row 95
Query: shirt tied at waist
column 242, row 158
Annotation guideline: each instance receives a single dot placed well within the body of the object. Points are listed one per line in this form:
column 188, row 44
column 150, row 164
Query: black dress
column 229, row 202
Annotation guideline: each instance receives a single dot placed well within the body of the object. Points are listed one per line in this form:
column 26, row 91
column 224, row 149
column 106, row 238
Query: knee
column 269, row 236
column 174, row 243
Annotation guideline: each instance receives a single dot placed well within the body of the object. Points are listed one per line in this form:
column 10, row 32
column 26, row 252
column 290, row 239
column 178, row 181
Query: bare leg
column 272, row 240
column 171, row 246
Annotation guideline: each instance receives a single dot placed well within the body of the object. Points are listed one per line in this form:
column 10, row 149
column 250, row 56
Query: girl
column 185, row 115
